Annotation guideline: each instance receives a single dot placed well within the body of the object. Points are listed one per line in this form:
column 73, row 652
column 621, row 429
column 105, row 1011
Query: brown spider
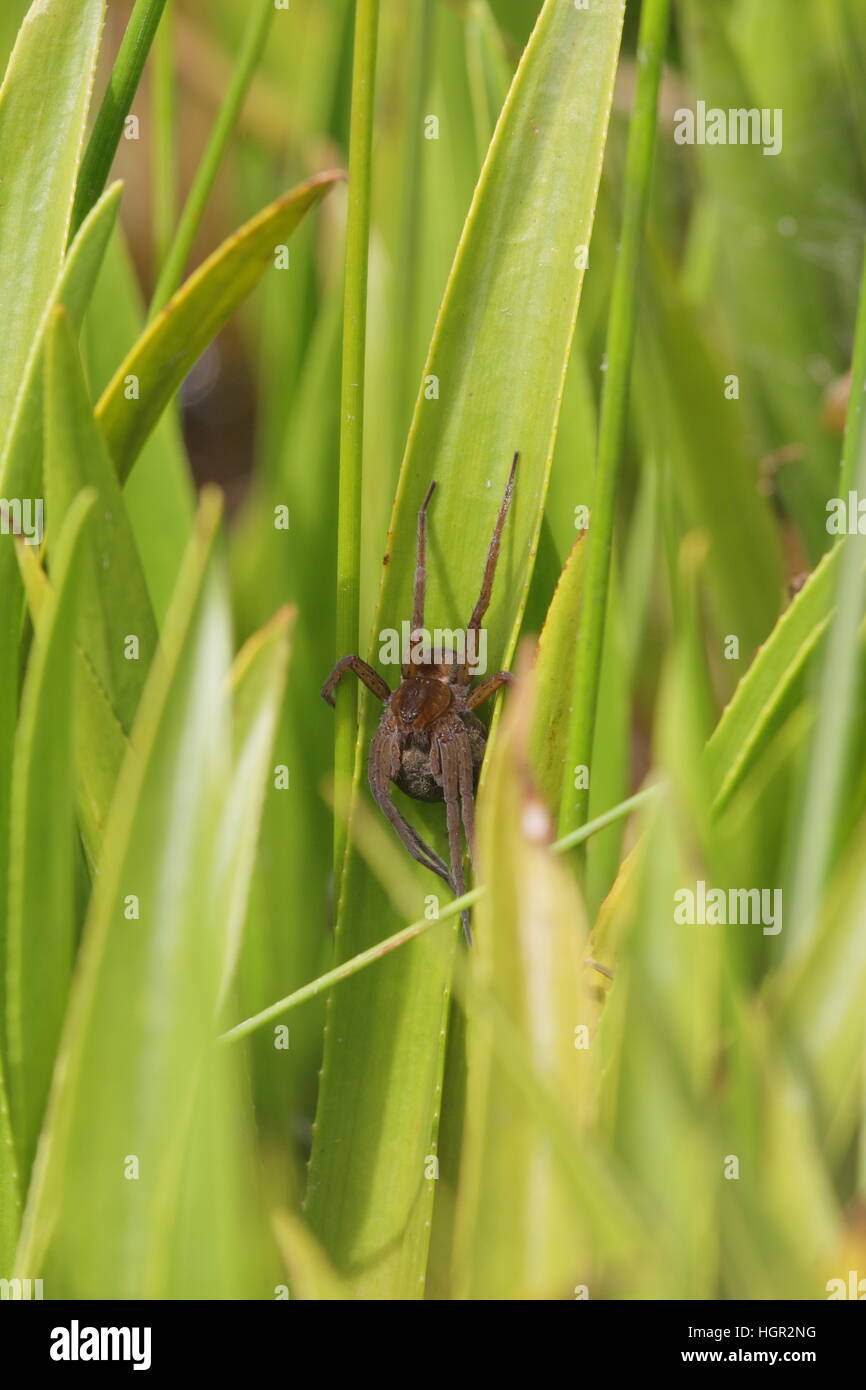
column 429, row 742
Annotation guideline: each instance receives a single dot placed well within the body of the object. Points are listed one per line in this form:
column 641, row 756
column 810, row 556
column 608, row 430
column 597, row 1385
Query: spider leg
column 381, row 766
column 466, row 783
column 488, row 687
column 420, row 567
column 449, row 761
column 365, row 673
column 483, row 603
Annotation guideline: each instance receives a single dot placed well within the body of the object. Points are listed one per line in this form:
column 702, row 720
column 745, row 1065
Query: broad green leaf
column 656, row 1039
column 156, row 955
column 552, row 708
column 219, row 1203
column 596, row 603
column 98, row 729
column 160, row 495
column 43, row 110
column 498, row 357
column 291, row 883
column 780, row 1220
column 116, row 628
column 310, row 1272
column 115, row 605
column 259, row 674
column 21, row 476
column 517, row 1235
column 149, row 971
column 42, row 925
column 817, row 999
column 757, row 707
column 754, row 711
column 688, row 421
column 10, row 1199
column 20, row 450
column 146, row 381
column 221, row 1246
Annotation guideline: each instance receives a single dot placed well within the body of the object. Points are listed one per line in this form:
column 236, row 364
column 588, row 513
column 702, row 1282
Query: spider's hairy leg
column 466, row 782
column 483, row 603
column 365, row 673
column 488, row 687
column 421, row 564
column 448, row 757
column 384, row 762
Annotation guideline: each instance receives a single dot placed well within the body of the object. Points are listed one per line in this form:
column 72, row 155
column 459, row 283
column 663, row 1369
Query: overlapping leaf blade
column 157, row 948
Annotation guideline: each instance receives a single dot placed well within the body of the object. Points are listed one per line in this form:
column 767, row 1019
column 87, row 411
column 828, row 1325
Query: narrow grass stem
column 655, row 18
column 616, row 813
column 406, row 934
column 419, row 62
column 116, row 105
column 252, row 48
column 164, row 139
column 352, row 393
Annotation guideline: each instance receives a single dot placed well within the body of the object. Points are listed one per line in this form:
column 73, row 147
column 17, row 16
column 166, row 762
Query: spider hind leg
column 454, row 757
column 381, row 771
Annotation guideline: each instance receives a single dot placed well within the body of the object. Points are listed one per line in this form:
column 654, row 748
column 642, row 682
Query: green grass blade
column 291, row 883
column 549, row 743
column 418, row 64
column 517, row 1236
column 689, row 423
column 20, row 452
column 116, row 635
column 42, row 923
column 20, row 476
column 172, row 344
column 348, row 636
column 151, row 966
column 43, row 110
column 116, row 105
column 652, row 40
column 498, row 356
column 10, row 1192
column 220, row 1205
column 841, row 673
column 817, row 998
column 761, row 697
column 159, row 496
column 311, row 1273
column 259, row 675
column 164, row 92
column 252, row 48
column 118, row 631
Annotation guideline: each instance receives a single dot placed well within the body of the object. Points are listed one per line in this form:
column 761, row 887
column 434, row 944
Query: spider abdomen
column 415, row 776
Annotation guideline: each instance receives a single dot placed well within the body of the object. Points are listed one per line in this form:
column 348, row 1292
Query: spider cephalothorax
column 429, row 742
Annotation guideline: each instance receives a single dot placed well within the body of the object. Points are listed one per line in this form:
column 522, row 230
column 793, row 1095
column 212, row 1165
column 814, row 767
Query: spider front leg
column 365, row 673
column 384, row 763
column 488, row 687
column 420, row 569
column 481, row 607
